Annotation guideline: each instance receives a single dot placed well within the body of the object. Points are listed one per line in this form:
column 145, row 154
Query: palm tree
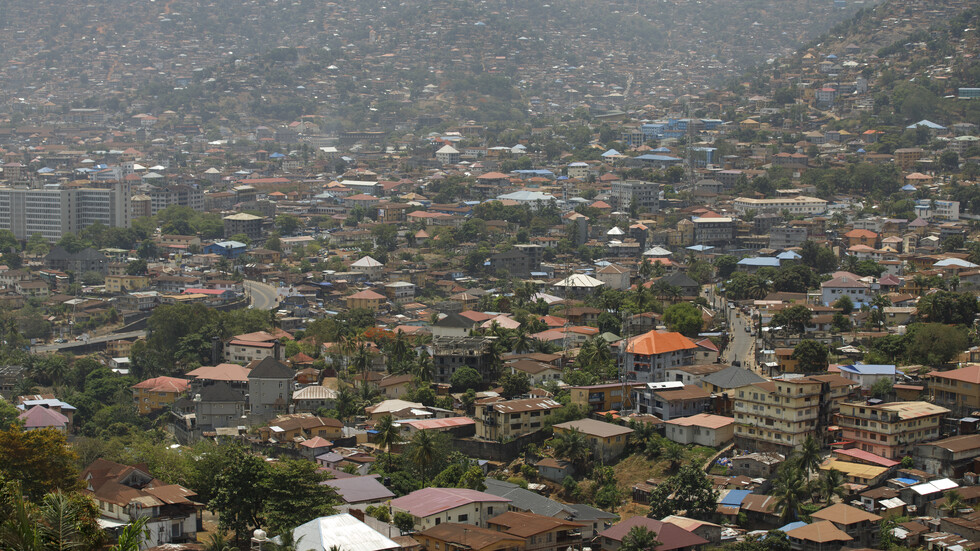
column 346, row 403
column 218, row 542
column 387, row 435
column 790, row 491
column 809, row 458
column 759, row 288
column 132, row 536
column 522, row 341
column 952, row 503
column 674, row 453
column 832, row 484
column 422, row 370
column 639, row 538
column 422, row 452
column 572, row 446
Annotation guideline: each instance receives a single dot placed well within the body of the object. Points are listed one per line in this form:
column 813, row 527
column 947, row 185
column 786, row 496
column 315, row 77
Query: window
column 463, row 518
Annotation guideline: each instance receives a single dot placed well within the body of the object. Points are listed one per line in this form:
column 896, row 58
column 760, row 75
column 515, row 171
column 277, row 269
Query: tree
column 948, row 307
column 404, row 521
column 136, row 267
column 673, row 453
column 953, row 503
column 59, row 522
column 809, row 457
column 831, row 484
column 426, row 453
column 683, row 317
column 639, row 538
column 881, row 388
column 385, row 236
column 811, row 356
column 935, row 344
column 725, row 265
column 466, row 377
column 133, row 536
column 40, row 460
column 841, row 323
column 573, row 446
column 387, row 435
column 609, row 323
column 794, row 319
column 293, row 494
column 845, row 304
column 287, row 224
column 689, row 490
column 790, row 490
column 515, row 384
column 238, row 494
column 148, row 250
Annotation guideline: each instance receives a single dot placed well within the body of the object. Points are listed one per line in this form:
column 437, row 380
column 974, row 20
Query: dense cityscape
column 475, row 276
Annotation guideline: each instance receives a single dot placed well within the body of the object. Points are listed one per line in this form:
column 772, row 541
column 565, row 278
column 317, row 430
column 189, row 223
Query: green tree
column 639, row 538
column 41, row 461
column 845, row 304
column 811, row 356
column 426, row 453
column 790, row 490
column 466, row 377
column 683, row 317
column 403, row 521
column 287, row 224
column 572, row 446
column 725, row 265
column 935, row 344
column 515, row 384
column 238, row 494
column 293, row 495
column 882, row 388
column 689, row 490
column 809, row 456
column 794, row 319
column 387, row 435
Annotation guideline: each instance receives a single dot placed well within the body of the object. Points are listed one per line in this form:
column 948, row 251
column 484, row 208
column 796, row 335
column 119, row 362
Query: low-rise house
column 454, row 536
column 867, row 375
column 703, row 429
column 607, row 440
column 670, row 536
column 537, row 373
column 604, row 397
column 40, row 417
column 433, row 506
column 505, row 419
column 359, row 492
column 859, row 524
column 540, row 533
column 301, row 426
column 818, row 536
column 554, row 470
column 957, row 389
column 342, row 531
column 669, row 402
column 755, row 465
column 950, row 457
column 124, row 493
column 158, row 393
column 366, row 299
column 312, row 398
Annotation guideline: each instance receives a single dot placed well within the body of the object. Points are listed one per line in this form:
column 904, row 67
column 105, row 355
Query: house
column 312, row 398
column 844, row 285
column 648, row 356
column 554, row 470
column 227, row 249
column 957, row 389
column 48, row 401
column 396, row 386
column 269, row 389
column 527, row 501
column 540, row 533
column 866, row 375
column 433, row 506
column 40, row 417
column 867, row 238
column 394, row 408
column 296, row 427
column 692, row 374
column 614, row 276
column 123, row 493
column 949, row 457
column 157, row 393
column 342, row 531
column 369, row 267
column 453, row 536
column 358, row 492
column 607, row 440
column 670, row 402
column 670, row 536
column 603, row 397
column 505, row 419
column 819, row 536
column 755, row 465
column 891, row 430
column 366, row 299
column 452, row 325
column 703, row 429
column 859, row 524
column 252, row 347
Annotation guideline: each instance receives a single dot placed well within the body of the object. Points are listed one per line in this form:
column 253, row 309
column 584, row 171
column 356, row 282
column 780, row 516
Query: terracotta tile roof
column 968, row 374
column 656, row 342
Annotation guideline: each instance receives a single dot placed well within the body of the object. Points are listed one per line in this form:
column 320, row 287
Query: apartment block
column 890, row 430
column 505, row 419
column 54, row 210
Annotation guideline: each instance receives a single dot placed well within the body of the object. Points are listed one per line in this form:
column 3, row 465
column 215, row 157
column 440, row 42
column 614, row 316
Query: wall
column 496, row 451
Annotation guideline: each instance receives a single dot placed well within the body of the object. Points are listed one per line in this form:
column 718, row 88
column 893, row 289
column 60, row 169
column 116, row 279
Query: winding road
column 261, row 295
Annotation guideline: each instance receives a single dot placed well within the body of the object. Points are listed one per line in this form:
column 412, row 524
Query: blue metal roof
column 760, row 261
column 869, row 369
column 734, row 498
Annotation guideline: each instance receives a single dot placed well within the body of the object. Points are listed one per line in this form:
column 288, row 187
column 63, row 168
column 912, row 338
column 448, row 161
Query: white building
column 53, row 211
column 447, row 155
column 795, row 205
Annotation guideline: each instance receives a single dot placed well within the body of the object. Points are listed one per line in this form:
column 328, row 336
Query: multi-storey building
column 624, row 194
column 647, row 357
column 505, row 419
column 604, row 397
column 957, row 389
column 54, row 210
column 794, row 205
column 244, row 223
column 157, row 393
column 451, row 353
column 890, row 430
column 717, row 230
column 778, row 415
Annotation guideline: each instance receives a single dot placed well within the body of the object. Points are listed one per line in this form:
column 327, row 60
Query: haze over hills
column 97, row 52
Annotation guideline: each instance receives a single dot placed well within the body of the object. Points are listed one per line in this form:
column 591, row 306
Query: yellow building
column 605, row 397
column 366, row 299
column 778, row 415
column 857, row 473
column 958, row 389
column 157, row 393
column 606, row 439
column 506, row 419
column 287, row 428
column 892, row 429
column 124, row 283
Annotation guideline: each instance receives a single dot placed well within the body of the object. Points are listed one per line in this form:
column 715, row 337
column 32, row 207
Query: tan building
column 287, row 428
column 506, row 419
column 778, row 415
column 157, row 393
column 123, row 283
column 366, row 299
column 607, row 440
column 957, row 389
column 540, row 533
column 890, row 430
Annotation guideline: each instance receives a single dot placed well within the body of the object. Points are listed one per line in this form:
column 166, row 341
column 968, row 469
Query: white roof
column 615, row 231
column 657, row 251
column 342, row 531
column 315, row 392
column 958, row 262
column 366, row 262
column 447, row 149
column 579, row 280
column 940, row 485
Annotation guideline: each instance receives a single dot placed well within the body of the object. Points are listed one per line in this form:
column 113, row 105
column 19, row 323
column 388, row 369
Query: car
column 60, row 341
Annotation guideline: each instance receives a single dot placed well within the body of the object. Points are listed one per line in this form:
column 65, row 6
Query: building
column 647, row 356
column 670, row 400
column 844, row 285
column 434, row 506
column 124, row 493
column 366, row 299
column 861, row 525
column 118, row 284
column 157, row 393
column 866, row 375
column 794, row 205
column 891, row 430
column 301, row 427
column 625, row 194
column 716, row 230
column 85, row 260
column 447, row 155
column 245, row 224
column 368, row 266
column 252, row 347
column 507, row 419
column 55, row 210
column 269, row 389
column 949, row 457
column 670, row 536
column 818, row 536
column 342, row 531
column 957, row 389
column 784, row 237
column 451, row 353
column 452, row 536
column 907, row 157
column 755, row 465
column 607, row 439
column 703, row 429
column 540, row 532
column 604, row 397
column 779, row 415
column 614, row 276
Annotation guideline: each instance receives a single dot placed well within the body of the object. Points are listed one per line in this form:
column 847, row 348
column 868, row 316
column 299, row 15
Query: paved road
column 742, row 346
column 97, row 340
column 261, row 295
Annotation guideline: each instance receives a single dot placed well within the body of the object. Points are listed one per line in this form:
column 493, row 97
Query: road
column 261, row 295
column 741, row 346
column 97, row 340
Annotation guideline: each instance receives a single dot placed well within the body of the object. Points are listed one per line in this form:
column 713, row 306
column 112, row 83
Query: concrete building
column 957, row 389
column 433, row 506
column 624, row 194
column 55, row 210
column 244, row 223
column 647, row 357
column 702, row 429
column 506, row 419
column 607, row 439
column 718, row 230
column 794, row 205
column 891, row 430
column 269, row 389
